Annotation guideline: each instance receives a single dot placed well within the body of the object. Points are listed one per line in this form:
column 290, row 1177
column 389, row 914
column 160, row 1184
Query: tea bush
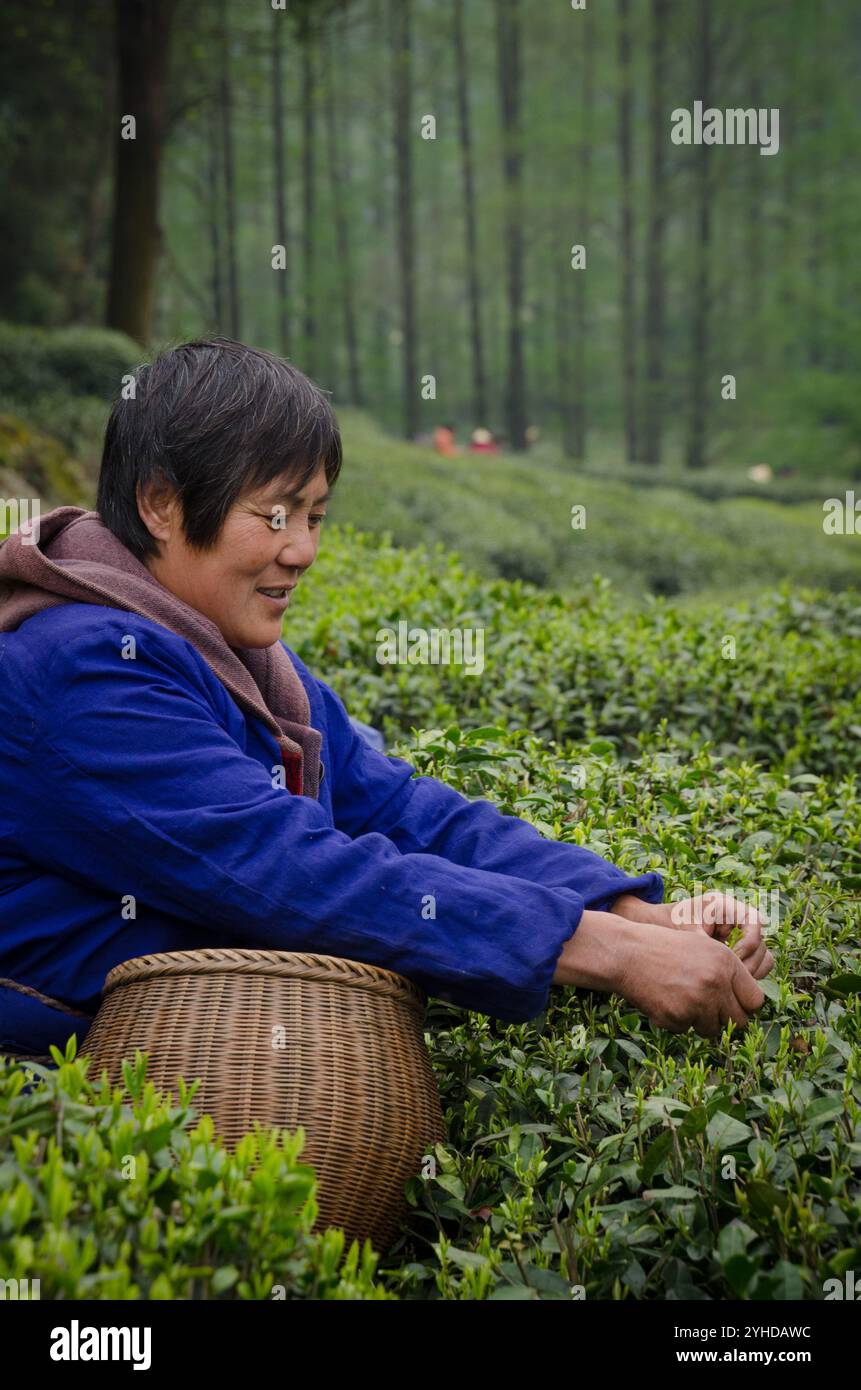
column 35, row 464
column 60, row 382
column 587, row 1148
column 35, row 362
column 719, row 484
column 511, row 517
column 106, row 1195
column 588, row 664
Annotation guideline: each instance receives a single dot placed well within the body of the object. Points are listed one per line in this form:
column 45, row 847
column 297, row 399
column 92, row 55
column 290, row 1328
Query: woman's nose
column 299, row 551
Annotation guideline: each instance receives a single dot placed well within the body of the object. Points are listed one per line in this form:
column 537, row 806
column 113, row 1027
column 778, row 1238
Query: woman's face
column 243, row 583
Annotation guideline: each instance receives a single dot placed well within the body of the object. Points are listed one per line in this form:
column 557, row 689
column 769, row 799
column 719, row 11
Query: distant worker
column 483, row 443
column 443, row 441
column 760, row 473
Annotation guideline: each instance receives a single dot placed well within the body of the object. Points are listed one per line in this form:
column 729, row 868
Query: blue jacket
column 141, row 810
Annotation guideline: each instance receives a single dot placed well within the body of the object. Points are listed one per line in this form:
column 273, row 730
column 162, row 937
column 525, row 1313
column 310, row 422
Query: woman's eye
column 278, row 521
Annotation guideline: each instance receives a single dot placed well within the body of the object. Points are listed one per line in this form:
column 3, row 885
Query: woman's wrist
column 635, row 909
column 601, row 953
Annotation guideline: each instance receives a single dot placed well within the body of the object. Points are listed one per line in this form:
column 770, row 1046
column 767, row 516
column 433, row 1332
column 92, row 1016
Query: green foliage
column 57, row 385
column 589, row 665
column 511, row 516
column 720, row 484
column 35, row 464
column 106, row 1197
column 831, row 400
column 35, row 362
column 78, row 422
column 588, row 1148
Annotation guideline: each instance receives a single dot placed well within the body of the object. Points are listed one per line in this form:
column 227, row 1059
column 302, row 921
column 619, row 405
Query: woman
column 444, row 441
column 483, row 442
column 173, row 776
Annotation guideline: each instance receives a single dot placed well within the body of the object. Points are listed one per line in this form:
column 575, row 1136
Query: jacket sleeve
column 421, row 815
column 147, row 793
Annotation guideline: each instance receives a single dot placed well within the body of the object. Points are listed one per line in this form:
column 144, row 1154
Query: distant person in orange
column 443, row 441
column 483, row 443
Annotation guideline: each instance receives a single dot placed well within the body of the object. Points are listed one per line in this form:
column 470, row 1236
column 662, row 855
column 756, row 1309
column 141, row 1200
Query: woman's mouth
column 277, row 598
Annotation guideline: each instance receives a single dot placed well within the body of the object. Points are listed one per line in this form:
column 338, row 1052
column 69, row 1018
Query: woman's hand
column 702, row 985
column 714, row 914
column 691, row 981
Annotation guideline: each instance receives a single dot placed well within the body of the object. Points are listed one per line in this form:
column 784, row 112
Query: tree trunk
column 216, row 280
column 92, row 235
column 562, row 322
column 282, row 235
column 816, row 254
column 579, row 421
column 653, row 419
column 789, row 224
column 143, row 42
column 479, row 378
column 379, row 213
column 400, row 17
column 756, row 183
column 509, row 76
column 700, row 343
column 339, row 171
column 226, row 103
column 309, row 194
column 629, row 336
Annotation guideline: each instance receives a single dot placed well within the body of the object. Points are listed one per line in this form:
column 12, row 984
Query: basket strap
column 44, row 999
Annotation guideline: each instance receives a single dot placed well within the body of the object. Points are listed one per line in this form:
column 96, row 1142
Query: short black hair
column 215, row 419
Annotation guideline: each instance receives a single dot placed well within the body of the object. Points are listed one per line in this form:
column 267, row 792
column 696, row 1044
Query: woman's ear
column 159, row 509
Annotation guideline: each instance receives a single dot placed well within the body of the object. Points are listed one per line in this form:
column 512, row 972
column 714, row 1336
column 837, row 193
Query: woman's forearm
column 601, row 953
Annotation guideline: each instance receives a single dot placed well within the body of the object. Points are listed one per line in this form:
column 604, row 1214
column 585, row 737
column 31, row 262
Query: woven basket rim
column 299, row 965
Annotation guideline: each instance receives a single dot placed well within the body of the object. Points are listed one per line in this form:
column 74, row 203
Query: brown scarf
column 78, row 560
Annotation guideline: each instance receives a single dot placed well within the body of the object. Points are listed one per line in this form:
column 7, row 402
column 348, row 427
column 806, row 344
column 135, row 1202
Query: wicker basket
column 289, row 1039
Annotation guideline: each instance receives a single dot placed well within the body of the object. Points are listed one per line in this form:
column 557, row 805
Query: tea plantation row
column 775, row 678
column 587, row 1148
